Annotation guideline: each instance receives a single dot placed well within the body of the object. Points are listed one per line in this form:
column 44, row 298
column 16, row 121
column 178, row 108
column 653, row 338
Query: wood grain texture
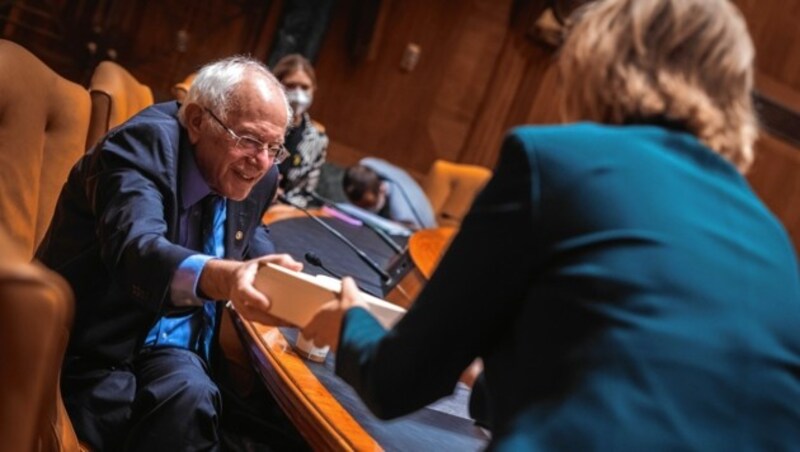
column 427, row 247
column 322, row 421
column 479, row 73
column 773, row 27
column 775, row 176
column 413, row 118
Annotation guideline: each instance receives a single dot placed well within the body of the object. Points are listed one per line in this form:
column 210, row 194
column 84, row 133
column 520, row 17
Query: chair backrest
column 451, row 188
column 43, row 123
column 181, row 89
column 36, row 309
column 116, row 96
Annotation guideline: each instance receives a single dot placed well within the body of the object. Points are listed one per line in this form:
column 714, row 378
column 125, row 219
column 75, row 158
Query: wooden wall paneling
column 57, row 30
column 411, row 118
column 522, row 88
column 467, row 79
column 262, row 40
column 211, row 30
column 774, row 177
column 490, row 124
column 545, row 107
column 776, row 35
column 371, row 105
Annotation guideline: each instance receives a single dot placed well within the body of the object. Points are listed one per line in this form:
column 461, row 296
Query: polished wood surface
column 410, row 118
column 428, row 245
column 479, row 73
column 775, row 175
column 406, row 291
column 279, row 212
column 324, row 423
column 317, row 413
column 426, row 248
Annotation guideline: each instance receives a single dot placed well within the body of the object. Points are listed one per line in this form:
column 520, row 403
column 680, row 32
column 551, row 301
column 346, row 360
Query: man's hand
column 233, row 280
column 324, row 327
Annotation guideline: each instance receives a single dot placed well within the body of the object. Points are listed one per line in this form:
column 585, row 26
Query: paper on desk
column 295, row 297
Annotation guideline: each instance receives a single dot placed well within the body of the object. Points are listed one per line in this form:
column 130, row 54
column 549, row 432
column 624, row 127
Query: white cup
column 307, row 350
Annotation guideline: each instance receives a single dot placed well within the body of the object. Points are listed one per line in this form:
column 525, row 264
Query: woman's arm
column 467, row 305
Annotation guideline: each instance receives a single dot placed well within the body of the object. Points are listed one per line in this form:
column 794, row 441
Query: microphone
column 381, row 233
column 314, row 260
column 407, row 199
column 385, row 278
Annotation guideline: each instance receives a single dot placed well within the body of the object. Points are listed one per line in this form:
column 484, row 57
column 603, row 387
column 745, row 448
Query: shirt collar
column 193, row 186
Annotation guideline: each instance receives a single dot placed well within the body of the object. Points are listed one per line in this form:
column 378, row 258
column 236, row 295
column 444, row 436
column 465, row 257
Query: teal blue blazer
column 626, row 290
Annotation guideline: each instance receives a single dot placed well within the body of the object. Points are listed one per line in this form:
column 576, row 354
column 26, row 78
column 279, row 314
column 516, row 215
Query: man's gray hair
column 215, row 81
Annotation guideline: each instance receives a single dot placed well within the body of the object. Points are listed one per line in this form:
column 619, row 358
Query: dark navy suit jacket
column 626, row 290
column 114, row 231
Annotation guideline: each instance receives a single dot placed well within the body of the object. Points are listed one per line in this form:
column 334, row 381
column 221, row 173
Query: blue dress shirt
column 190, row 325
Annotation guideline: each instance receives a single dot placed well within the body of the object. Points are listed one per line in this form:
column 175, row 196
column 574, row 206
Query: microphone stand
column 381, row 233
column 314, row 260
column 385, row 278
column 406, row 199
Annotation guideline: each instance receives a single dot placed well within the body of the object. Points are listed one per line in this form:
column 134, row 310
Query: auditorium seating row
column 46, row 124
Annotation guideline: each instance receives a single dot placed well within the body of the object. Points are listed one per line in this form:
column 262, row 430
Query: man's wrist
column 214, row 280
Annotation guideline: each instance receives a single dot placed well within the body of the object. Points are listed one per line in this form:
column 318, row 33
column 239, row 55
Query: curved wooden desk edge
column 324, row 423
column 280, row 212
column 428, row 245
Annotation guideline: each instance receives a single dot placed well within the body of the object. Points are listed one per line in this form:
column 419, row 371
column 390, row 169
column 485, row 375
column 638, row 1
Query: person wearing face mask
column 389, row 191
column 306, row 140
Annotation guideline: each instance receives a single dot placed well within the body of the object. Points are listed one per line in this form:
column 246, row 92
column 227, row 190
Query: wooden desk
column 319, row 417
column 280, row 212
column 328, row 413
column 428, row 245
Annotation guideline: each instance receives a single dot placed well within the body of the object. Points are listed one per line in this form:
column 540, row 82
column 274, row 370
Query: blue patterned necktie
column 213, row 233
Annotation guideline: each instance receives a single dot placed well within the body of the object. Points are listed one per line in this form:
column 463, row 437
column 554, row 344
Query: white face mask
column 299, row 99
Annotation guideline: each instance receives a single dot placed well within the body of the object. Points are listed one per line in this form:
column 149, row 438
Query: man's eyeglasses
column 251, row 146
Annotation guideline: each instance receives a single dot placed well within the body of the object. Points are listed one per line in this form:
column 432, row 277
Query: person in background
column 306, row 140
column 150, row 229
column 624, row 286
column 380, row 187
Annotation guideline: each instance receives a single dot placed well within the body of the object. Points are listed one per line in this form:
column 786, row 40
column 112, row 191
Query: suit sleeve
column 469, row 303
column 128, row 197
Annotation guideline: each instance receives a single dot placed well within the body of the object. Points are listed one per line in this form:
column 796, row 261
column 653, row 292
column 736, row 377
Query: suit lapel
column 235, row 229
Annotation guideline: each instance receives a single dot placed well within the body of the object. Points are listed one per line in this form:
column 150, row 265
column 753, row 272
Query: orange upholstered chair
column 43, row 123
column 451, row 188
column 181, row 89
column 36, row 308
column 116, row 96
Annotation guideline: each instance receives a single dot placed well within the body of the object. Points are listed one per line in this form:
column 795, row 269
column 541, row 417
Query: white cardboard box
column 296, row 296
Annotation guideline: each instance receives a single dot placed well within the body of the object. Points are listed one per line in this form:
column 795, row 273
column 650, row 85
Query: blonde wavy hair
column 682, row 62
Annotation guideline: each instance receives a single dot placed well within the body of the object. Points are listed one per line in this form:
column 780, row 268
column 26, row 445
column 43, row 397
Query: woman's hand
column 324, row 328
column 471, row 373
